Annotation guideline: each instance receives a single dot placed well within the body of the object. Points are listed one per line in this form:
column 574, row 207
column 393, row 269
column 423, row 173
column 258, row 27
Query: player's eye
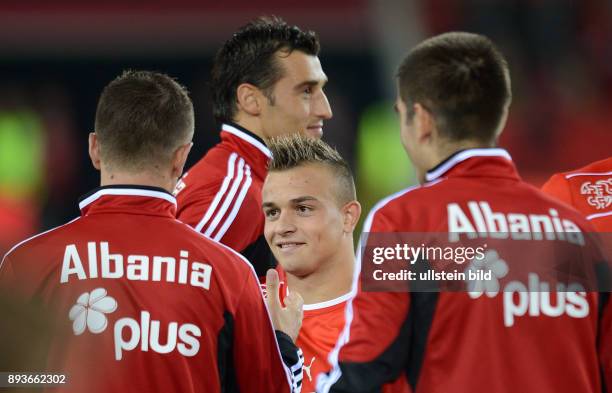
column 271, row 213
column 304, row 209
column 308, row 90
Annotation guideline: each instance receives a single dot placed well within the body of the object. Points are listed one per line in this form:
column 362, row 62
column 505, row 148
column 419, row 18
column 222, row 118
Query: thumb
column 272, row 284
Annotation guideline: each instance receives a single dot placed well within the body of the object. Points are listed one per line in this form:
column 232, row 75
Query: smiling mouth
column 289, row 246
column 318, row 129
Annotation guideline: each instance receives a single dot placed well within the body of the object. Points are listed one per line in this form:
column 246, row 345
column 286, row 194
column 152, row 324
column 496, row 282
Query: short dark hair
column 292, row 151
column 142, row 117
column 248, row 57
column 462, row 79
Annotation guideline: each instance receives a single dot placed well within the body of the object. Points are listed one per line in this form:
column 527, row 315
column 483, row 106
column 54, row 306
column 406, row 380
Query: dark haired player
column 453, row 98
column 144, row 303
column 266, row 81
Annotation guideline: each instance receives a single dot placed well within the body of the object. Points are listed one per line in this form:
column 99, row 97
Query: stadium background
column 57, row 56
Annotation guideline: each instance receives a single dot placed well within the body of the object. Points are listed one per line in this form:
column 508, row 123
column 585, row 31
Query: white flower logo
column 89, row 311
column 491, row 262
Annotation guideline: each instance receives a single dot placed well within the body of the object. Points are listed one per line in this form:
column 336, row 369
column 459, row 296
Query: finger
column 272, row 284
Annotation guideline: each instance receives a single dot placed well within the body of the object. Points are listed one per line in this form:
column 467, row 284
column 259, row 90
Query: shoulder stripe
column 213, row 206
column 231, row 250
column 34, row 237
column 569, row 176
column 227, row 200
column 237, row 205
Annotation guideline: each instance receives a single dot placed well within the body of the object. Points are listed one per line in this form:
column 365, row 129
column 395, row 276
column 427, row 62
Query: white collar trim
column 328, row 303
column 128, row 192
column 569, row 176
column 245, row 137
column 464, row 155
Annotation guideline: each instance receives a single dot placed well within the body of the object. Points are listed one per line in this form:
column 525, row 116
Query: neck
column 109, row 178
column 333, row 279
column 252, row 124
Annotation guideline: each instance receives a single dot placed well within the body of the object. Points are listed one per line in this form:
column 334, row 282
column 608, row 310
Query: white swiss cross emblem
column 599, row 193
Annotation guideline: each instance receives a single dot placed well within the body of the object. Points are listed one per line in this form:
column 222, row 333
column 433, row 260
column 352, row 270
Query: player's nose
column 285, row 224
column 322, row 108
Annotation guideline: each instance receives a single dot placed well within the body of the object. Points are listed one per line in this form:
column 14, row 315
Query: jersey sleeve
column 222, row 210
column 257, row 358
column 364, row 361
column 557, row 186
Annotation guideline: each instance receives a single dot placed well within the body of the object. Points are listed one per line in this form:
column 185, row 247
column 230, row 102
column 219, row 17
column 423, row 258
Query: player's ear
column 352, row 212
column 179, row 159
column 424, row 123
column 249, row 99
column 94, row 150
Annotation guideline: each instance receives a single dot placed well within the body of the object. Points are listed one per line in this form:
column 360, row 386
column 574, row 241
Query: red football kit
column 146, row 304
column 510, row 339
column 319, row 333
column 588, row 189
column 220, row 196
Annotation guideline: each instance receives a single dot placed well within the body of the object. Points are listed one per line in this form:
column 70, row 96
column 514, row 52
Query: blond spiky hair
column 291, row 151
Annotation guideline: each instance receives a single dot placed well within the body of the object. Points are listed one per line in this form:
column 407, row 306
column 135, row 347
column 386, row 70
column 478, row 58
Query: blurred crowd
column 560, row 56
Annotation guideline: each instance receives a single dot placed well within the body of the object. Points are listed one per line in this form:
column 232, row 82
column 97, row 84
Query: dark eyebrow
column 310, row 83
column 295, row 201
column 268, row 204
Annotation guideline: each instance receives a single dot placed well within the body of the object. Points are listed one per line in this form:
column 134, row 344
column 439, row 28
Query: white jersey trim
column 247, row 138
column 598, row 215
column 569, row 176
column 128, row 192
column 213, row 206
column 34, row 237
column 328, row 303
column 237, row 205
column 227, row 201
column 464, row 155
column 239, row 176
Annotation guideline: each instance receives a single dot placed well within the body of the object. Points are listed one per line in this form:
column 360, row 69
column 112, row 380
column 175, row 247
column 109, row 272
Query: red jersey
column 469, row 341
column 588, row 189
column 145, row 303
column 319, row 333
column 220, row 196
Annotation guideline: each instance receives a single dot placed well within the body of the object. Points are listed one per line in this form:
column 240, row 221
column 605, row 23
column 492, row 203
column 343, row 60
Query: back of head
column 248, row 57
column 462, row 80
column 292, row 151
column 141, row 119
